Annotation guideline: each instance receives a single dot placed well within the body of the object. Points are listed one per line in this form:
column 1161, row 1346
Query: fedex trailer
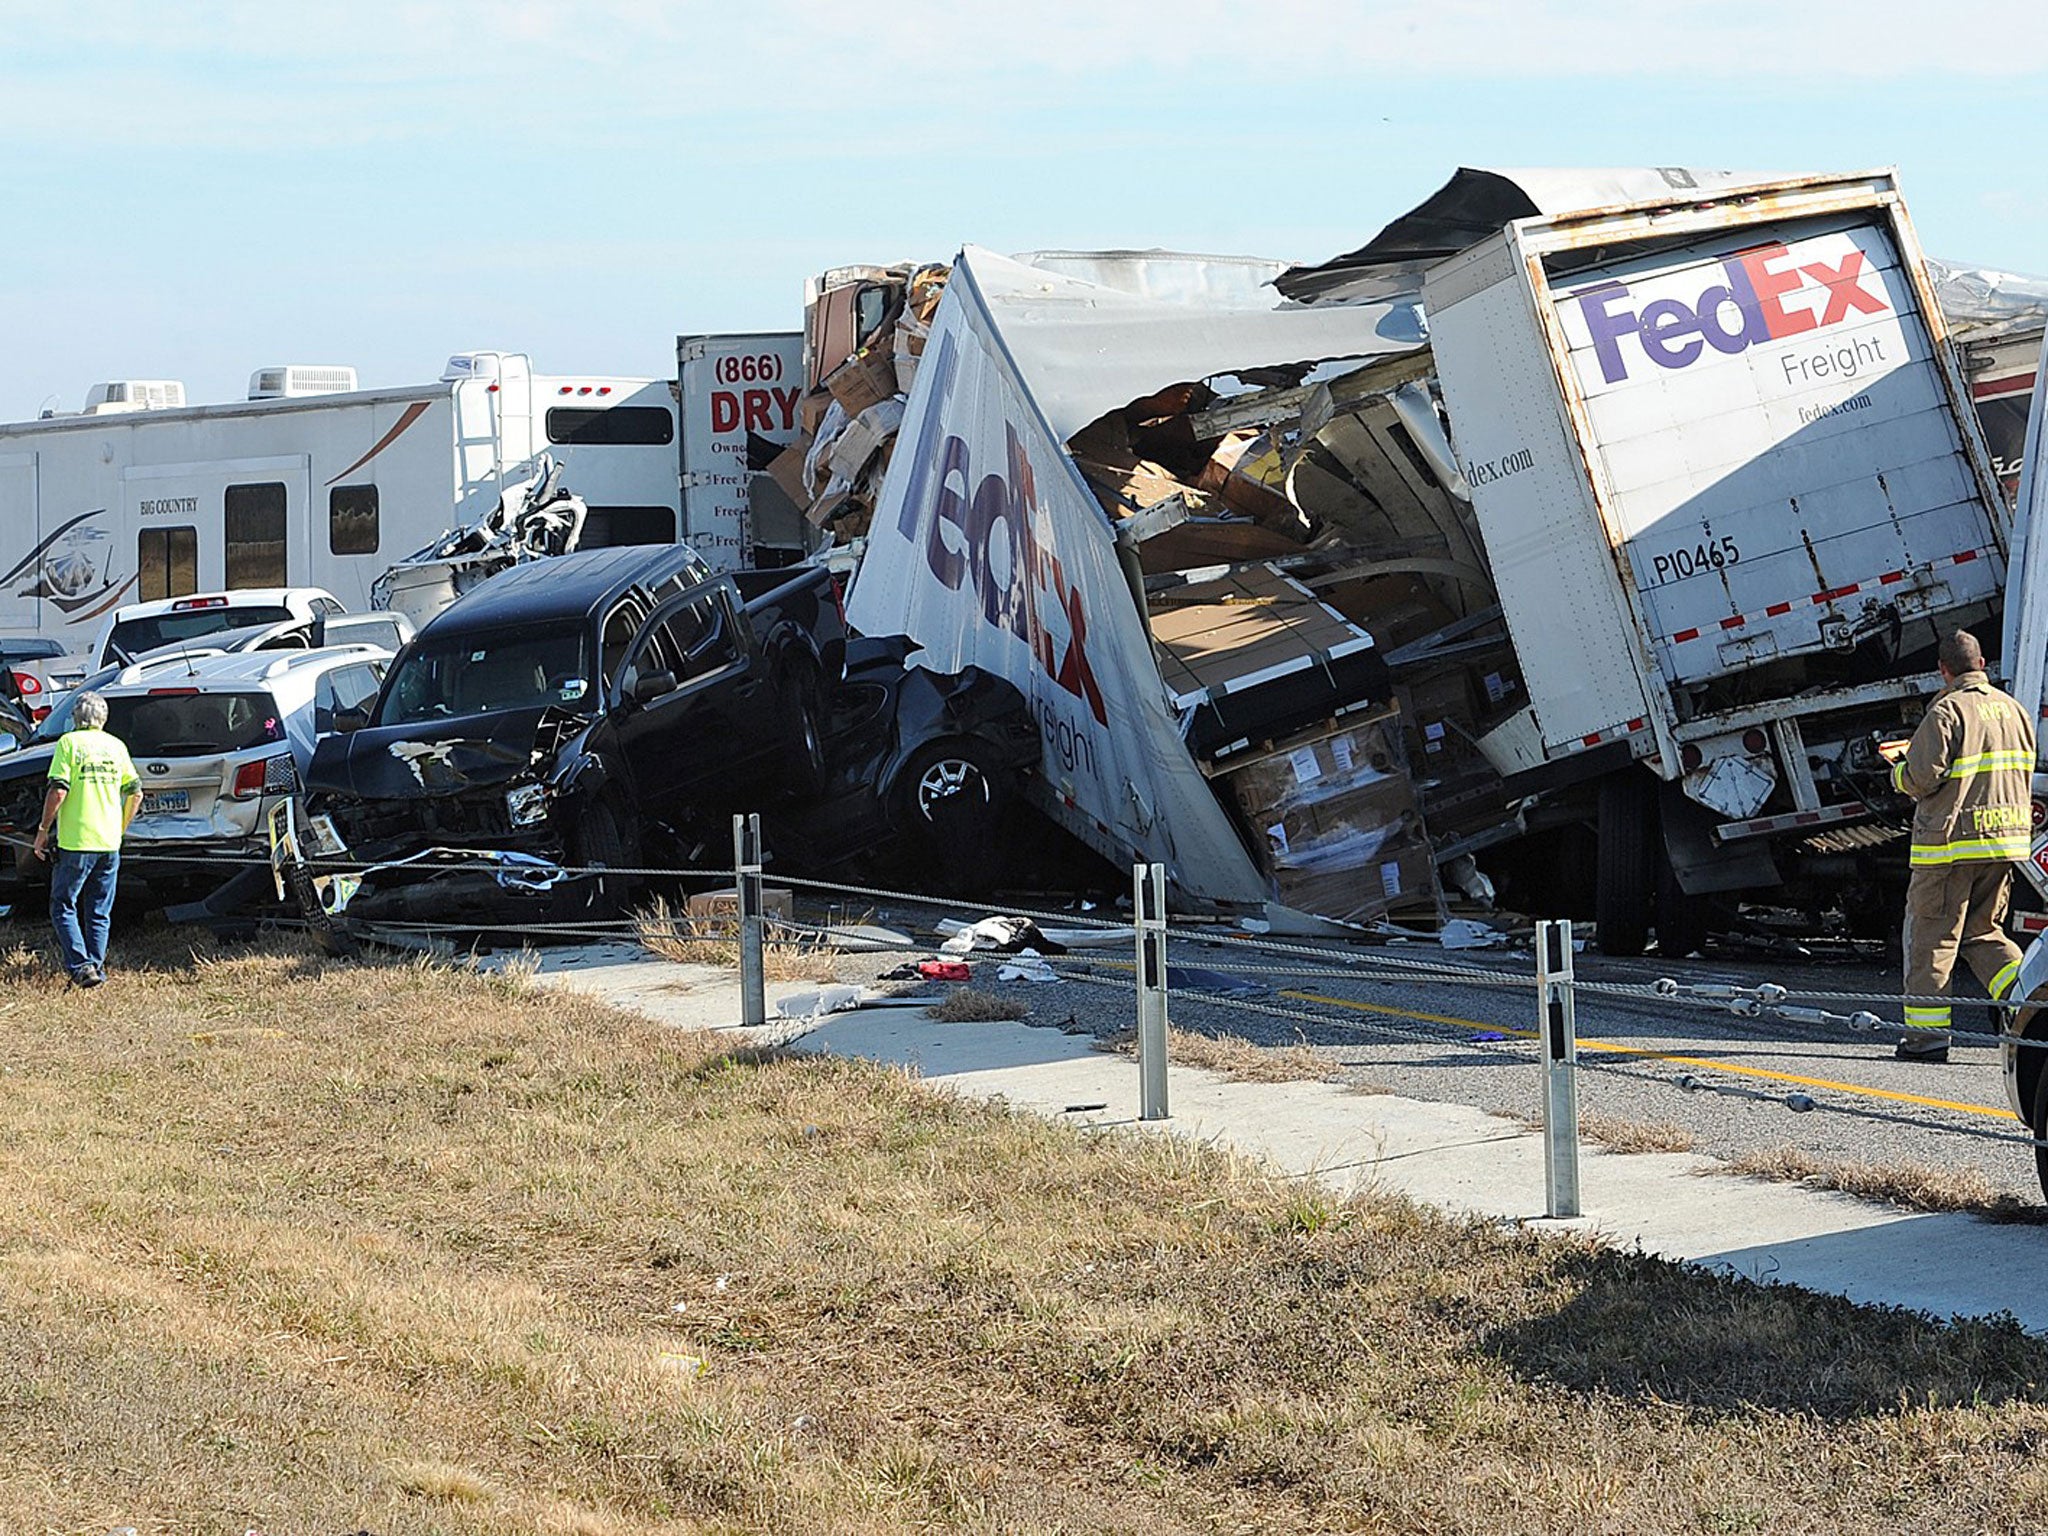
column 1732, row 488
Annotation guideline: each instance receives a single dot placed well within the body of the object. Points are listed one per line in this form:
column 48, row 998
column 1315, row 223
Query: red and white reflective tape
column 1601, row 738
column 2028, row 922
column 1098, row 823
column 1993, row 389
column 1789, row 821
column 1819, row 599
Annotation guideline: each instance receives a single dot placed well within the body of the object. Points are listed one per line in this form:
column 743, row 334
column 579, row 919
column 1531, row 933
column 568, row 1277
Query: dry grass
column 1237, row 1059
column 320, row 1247
column 1915, row 1186
column 787, row 954
column 1617, row 1133
column 970, row 1005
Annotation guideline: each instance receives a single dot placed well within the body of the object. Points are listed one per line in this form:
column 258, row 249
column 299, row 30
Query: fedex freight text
column 1843, row 362
column 1747, row 306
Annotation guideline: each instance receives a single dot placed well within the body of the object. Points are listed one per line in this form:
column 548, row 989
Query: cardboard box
column 810, row 411
column 864, row 437
column 908, row 349
column 865, row 379
column 776, row 901
column 1342, row 830
column 786, row 469
column 1441, row 716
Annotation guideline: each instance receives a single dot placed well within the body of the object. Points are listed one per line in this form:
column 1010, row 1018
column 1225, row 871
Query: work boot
column 1929, row 1045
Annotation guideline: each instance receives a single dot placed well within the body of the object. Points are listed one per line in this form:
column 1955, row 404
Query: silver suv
column 218, row 741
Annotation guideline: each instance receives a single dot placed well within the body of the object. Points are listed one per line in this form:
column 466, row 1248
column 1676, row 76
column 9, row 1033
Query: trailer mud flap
column 1702, row 866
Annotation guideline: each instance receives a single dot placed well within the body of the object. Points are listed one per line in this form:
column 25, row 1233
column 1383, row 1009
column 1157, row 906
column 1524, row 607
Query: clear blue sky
column 195, row 191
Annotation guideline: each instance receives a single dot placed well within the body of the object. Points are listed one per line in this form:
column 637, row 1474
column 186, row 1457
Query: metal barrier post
column 746, row 862
column 1557, row 1027
column 1148, row 912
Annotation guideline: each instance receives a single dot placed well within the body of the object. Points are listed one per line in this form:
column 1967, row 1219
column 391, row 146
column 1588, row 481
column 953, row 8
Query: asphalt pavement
column 1736, row 1085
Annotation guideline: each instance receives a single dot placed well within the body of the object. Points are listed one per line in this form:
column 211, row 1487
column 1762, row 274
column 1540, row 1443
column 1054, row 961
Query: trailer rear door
column 1774, row 441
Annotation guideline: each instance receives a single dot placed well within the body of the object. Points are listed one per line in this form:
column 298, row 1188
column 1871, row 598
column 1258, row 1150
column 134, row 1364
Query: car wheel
column 951, row 800
column 807, row 765
column 597, row 841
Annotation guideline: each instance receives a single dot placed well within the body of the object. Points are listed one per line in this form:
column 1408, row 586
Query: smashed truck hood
column 429, row 757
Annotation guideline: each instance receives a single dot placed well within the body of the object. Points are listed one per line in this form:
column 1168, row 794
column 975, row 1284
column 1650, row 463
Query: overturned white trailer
column 990, row 549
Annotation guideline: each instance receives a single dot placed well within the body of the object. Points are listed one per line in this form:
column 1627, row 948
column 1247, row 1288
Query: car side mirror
column 652, row 685
column 346, row 720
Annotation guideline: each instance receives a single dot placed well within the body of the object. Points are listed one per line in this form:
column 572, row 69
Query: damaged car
column 581, row 714
column 926, row 769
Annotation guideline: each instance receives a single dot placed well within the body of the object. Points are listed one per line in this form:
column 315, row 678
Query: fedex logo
column 983, row 535
column 1746, row 307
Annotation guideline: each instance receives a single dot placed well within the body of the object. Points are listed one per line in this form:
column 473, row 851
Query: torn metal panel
column 1476, row 204
column 1984, row 302
column 1088, row 347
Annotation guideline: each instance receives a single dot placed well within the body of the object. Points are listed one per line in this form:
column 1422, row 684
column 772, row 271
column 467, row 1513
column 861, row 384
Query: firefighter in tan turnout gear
column 1970, row 769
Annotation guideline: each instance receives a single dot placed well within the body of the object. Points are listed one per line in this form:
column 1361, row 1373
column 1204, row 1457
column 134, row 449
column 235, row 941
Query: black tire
column 2038, row 1123
column 806, row 761
column 1681, row 919
column 597, row 840
column 1628, row 857
column 951, row 800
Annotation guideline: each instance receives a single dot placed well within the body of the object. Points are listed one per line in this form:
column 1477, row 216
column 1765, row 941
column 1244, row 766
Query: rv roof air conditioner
column 134, row 395
column 505, row 367
column 295, row 379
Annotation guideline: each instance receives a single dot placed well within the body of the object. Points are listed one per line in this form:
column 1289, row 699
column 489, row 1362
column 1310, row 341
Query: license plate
column 164, row 802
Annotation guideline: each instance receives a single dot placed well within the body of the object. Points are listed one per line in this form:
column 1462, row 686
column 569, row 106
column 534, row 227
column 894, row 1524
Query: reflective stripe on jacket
column 1971, row 768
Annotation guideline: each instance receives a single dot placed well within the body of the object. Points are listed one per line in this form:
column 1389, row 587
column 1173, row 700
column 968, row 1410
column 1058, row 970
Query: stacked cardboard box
column 864, row 333
column 1337, row 820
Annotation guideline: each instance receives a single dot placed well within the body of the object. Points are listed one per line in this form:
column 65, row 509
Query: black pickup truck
column 586, row 710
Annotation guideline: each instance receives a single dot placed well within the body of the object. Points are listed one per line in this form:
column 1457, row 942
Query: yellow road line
column 1686, row 1061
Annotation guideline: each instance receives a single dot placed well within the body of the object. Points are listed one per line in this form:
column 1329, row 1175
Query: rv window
column 352, row 520
column 608, row 526
column 616, row 427
column 255, row 535
column 166, row 563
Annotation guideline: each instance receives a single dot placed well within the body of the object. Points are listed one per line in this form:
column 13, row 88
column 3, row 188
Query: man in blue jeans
column 93, row 795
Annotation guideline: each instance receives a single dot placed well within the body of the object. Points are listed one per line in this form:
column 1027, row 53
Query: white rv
column 308, row 482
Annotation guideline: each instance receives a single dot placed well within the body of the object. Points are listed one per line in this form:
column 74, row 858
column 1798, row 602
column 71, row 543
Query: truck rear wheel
column 1681, row 919
column 2038, row 1123
column 1627, row 862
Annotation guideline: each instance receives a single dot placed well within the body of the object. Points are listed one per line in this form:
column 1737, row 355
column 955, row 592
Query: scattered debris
column 812, row 1005
column 1003, row 935
column 1027, row 966
column 1195, row 978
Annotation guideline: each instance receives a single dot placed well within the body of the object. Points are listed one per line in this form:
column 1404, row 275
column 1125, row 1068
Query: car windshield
column 483, row 674
column 132, row 637
column 183, row 722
